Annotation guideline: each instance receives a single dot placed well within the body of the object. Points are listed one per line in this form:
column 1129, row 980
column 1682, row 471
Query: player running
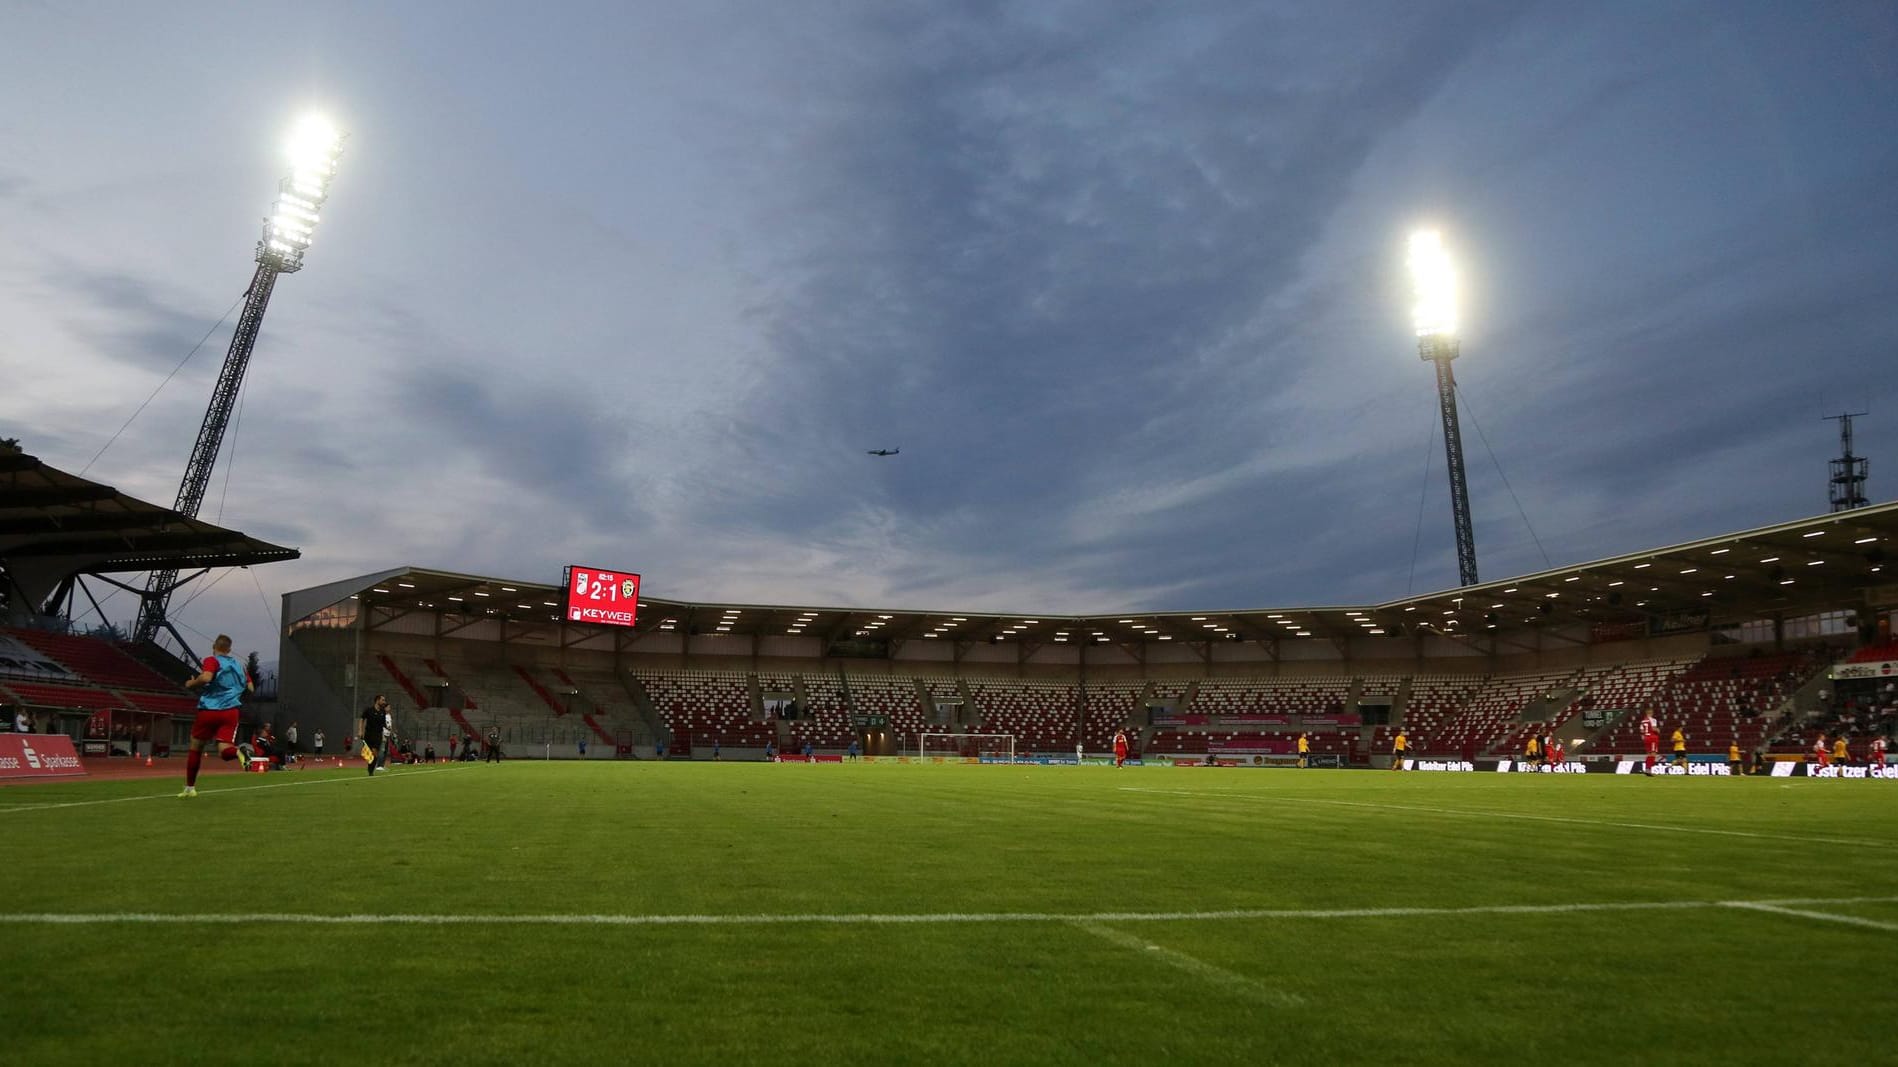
column 1120, row 748
column 1875, row 752
column 1735, row 766
column 224, row 684
column 1841, row 754
column 1820, row 757
column 1679, row 741
column 1651, row 739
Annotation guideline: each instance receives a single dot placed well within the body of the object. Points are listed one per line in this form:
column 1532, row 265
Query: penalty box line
column 133, row 918
column 1474, row 813
column 209, row 796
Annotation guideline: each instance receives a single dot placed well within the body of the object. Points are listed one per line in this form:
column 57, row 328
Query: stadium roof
column 54, row 521
column 1830, row 562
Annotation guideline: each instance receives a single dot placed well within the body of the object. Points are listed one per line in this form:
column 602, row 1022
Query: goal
column 966, row 746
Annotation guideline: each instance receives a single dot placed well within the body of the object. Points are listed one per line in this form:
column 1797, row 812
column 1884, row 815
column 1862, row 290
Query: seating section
column 101, row 676
column 894, row 697
column 1271, row 696
column 706, row 708
column 42, row 695
column 1041, row 715
column 1719, row 700
column 825, row 722
column 1109, row 708
column 99, row 662
column 1625, row 686
column 1876, row 653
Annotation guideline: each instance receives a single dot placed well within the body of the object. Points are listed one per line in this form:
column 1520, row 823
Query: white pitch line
column 9, row 810
column 876, row 919
column 1850, row 920
column 1479, row 814
column 1219, row 976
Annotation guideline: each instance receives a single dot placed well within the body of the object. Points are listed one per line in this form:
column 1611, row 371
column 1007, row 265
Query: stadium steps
column 467, row 699
column 642, row 703
column 598, row 730
column 403, row 680
column 1189, row 697
column 540, row 691
column 461, row 719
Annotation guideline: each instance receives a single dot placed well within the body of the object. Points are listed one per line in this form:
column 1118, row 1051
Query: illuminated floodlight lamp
column 313, row 148
column 1433, row 286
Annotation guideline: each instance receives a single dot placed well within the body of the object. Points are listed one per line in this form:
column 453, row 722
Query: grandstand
column 1468, row 673
column 61, row 534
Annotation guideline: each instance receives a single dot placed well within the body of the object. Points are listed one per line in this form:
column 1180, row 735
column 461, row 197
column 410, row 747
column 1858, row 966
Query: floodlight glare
column 1433, row 283
column 312, row 150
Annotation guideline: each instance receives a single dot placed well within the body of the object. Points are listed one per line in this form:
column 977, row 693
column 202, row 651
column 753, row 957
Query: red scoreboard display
column 610, row 598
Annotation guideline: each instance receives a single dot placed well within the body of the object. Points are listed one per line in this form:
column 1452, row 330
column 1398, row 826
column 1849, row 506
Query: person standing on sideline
column 1304, row 750
column 290, row 737
column 388, row 736
column 222, row 679
column 1080, row 754
column 494, row 744
column 317, row 741
column 1400, row 750
column 373, row 723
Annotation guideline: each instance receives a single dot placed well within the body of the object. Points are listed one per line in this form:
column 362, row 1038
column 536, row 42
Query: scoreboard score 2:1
column 610, row 598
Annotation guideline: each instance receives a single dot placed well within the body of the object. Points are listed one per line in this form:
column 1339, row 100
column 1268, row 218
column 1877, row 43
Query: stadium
column 477, row 806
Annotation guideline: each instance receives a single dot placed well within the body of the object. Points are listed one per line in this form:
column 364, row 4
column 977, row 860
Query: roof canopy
column 54, row 525
column 1829, row 562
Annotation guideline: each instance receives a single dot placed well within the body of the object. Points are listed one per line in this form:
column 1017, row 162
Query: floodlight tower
column 1848, row 471
column 312, row 149
column 1433, row 282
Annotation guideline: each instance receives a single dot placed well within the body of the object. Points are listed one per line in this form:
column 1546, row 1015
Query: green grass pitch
column 948, row 914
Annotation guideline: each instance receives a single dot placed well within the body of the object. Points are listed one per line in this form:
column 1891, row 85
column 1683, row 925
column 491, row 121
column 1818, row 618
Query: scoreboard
column 609, row 598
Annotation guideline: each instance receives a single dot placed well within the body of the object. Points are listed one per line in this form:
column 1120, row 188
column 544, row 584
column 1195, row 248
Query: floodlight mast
column 1434, row 317
column 313, row 149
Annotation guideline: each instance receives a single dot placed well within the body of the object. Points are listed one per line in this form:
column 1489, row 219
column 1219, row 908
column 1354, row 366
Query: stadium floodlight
column 1434, row 318
column 1433, row 284
column 313, row 148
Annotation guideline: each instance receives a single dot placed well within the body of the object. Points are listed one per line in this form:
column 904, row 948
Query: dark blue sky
column 1124, row 281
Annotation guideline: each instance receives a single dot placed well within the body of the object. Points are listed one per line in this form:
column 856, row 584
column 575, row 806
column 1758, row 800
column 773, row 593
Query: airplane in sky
column 884, row 452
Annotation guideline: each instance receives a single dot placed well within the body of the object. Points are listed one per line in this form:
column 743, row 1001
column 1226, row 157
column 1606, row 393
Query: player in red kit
column 1820, row 757
column 223, row 684
column 1651, row 737
column 1120, row 748
column 1875, row 752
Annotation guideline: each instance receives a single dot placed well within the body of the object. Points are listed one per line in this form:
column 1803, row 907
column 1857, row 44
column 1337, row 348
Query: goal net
column 966, row 746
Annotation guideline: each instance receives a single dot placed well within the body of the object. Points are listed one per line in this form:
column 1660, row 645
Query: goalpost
column 966, row 746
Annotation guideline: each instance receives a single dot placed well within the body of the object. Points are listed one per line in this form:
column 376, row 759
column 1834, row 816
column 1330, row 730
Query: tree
column 254, row 669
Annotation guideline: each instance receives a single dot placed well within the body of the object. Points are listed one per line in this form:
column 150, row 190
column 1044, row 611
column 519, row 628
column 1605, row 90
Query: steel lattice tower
column 1847, row 483
column 313, row 151
column 1440, row 350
